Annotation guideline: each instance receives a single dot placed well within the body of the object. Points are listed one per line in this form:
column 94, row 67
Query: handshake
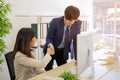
column 50, row 49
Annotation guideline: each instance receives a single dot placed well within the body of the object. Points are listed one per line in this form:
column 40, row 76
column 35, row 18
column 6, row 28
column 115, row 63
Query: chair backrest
column 10, row 64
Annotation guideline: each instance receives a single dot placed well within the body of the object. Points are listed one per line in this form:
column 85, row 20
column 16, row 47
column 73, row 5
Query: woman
column 25, row 64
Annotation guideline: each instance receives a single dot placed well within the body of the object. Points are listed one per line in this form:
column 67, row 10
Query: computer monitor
column 84, row 53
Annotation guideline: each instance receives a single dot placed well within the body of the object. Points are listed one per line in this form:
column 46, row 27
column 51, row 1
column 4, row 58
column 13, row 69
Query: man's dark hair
column 71, row 13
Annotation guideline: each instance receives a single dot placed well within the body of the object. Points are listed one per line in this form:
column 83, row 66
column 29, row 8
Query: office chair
column 10, row 64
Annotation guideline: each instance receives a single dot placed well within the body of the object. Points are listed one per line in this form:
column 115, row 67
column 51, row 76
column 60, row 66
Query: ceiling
column 105, row 3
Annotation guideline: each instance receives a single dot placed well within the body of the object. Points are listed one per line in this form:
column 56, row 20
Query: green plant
column 68, row 76
column 99, row 46
column 5, row 25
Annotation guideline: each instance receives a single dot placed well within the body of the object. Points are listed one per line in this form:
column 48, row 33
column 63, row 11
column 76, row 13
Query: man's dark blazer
column 55, row 33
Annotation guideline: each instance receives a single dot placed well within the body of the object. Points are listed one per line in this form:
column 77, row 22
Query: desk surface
column 56, row 71
column 112, row 75
column 102, row 72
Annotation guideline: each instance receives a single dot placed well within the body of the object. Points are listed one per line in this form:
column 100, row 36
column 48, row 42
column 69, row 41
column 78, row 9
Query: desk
column 102, row 72
column 112, row 75
column 56, row 71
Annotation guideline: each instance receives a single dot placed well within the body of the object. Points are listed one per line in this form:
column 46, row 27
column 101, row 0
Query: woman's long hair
column 22, row 43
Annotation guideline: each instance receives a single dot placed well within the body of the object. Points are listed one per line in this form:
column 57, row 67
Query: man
column 62, row 31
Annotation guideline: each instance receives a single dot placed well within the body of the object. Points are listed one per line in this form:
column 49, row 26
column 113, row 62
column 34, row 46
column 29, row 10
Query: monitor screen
column 84, row 51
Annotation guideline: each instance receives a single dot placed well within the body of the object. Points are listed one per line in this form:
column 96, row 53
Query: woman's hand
column 50, row 49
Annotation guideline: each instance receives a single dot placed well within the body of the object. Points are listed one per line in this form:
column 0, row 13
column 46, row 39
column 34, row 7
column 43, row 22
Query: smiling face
column 32, row 42
column 69, row 22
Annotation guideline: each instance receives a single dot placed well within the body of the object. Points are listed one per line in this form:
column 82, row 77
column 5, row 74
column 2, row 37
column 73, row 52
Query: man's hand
column 50, row 49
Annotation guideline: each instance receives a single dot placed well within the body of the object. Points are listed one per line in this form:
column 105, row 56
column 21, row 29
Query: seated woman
column 25, row 64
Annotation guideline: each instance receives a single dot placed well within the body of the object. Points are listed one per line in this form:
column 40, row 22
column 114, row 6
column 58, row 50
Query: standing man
column 61, row 32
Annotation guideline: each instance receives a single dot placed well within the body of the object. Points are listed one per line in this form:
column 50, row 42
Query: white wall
column 86, row 8
column 36, row 7
column 40, row 7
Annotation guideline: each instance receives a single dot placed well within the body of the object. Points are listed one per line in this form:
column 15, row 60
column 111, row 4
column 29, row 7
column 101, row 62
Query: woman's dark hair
column 22, row 43
column 71, row 13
